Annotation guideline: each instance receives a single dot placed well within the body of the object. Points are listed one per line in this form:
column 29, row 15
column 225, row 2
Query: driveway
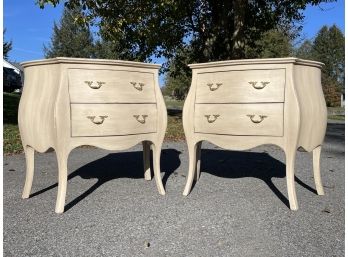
column 238, row 207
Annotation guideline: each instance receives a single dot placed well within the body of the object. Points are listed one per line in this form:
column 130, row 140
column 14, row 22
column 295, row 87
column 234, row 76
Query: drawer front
column 239, row 119
column 246, row 86
column 109, row 86
column 112, row 119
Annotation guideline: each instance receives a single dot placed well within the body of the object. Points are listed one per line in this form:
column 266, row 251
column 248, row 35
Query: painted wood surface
column 303, row 115
column 46, row 114
column 112, row 119
column 241, row 86
column 111, row 86
column 240, row 119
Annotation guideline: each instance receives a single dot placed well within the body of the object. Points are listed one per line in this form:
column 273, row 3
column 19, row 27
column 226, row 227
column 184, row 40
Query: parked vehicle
column 11, row 80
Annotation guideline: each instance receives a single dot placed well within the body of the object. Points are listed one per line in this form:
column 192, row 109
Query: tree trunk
column 238, row 34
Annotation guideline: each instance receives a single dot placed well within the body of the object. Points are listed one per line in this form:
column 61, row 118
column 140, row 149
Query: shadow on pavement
column 235, row 165
column 335, row 133
column 118, row 165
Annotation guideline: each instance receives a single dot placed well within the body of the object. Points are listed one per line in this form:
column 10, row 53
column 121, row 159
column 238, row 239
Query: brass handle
column 215, row 116
column 98, row 122
column 212, row 87
column 90, row 84
column 138, row 86
column 261, row 118
column 263, row 84
column 143, row 120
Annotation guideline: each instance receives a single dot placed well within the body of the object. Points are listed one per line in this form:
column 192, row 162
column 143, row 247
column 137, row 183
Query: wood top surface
column 89, row 61
column 257, row 61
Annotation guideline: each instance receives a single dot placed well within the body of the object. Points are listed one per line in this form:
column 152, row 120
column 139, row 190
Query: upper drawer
column 241, row 86
column 112, row 119
column 110, row 86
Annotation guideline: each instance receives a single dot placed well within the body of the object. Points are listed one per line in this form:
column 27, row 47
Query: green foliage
column 328, row 48
column 274, row 43
column 216, row 30
column 305, row 51
column 12, row 139
column 7, row 46
column 178, row 77
column 105, row 50
column 70, row 39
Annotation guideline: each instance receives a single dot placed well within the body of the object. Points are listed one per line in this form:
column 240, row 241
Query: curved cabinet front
column 245, row 103
column 68, row 102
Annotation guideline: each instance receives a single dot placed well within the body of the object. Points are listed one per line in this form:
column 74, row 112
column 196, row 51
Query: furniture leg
column 62, row 181
column 198, row 160
column 290, row 178
column 316, row 170
column 156, row 150
column 192, row 150
column 29, row 159
column 146, row 160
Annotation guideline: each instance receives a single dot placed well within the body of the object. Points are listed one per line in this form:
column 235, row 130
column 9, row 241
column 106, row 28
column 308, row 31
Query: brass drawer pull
column 138, row 86
column 212, row 87
column 143, row 120
column 211, row 120
column 261, row 118
column 263, row 84
column 98, row 122
column 90, row 84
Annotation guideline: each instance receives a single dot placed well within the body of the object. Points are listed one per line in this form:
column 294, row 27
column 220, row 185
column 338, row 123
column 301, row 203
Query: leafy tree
column 274, row 43
column 111, row 49
column 7, row 46
column 328, row 48
column 215, row 30
column 305, row 51
column 70, row 39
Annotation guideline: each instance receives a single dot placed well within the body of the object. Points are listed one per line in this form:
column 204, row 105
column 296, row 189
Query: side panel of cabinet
column 313, row 109
column 37, row 106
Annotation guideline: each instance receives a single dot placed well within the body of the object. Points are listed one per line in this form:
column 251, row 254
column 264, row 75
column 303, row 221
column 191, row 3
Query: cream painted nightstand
column 241, row 104
column 69, row 102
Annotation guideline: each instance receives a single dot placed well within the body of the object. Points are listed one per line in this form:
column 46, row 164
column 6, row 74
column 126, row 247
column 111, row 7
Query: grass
column 12, row 140
column 173, row 104
column 336, row 117
column 175, row 131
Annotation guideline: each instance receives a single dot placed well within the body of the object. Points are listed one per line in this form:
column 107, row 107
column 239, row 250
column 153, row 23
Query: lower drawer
column 112, row 119
column 239, row 119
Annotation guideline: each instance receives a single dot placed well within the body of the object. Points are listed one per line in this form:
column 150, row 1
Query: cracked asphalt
column 238, row 207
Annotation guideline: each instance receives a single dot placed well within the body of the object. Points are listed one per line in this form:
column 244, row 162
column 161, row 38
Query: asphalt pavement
column 238, row 207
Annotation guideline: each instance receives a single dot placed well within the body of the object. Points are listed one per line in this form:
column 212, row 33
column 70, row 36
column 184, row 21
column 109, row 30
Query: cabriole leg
column 290, row 178
column 146, row 160
column 156, row 150
column 29, row 159
column 198, row 160
column 62, row 159
column 192, row 150
column 316, row 170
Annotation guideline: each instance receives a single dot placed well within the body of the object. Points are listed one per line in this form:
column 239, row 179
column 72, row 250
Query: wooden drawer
column 110, row 86
column 239, row 119
column 241, row 86
column 112, row 119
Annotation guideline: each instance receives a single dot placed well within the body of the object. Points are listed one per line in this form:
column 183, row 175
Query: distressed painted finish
column 242, row 104
column 69, row 102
